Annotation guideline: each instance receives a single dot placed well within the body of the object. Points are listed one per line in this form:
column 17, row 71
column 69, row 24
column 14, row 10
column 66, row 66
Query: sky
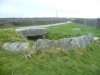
column 50, row 8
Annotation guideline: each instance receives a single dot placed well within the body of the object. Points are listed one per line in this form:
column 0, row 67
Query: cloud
column 36, row 8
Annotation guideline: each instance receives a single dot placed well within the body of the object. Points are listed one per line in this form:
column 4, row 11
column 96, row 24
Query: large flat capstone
column 32, row 31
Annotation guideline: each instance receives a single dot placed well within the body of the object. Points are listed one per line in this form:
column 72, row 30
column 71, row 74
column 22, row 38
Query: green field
column 78, row 61
column 67, row 30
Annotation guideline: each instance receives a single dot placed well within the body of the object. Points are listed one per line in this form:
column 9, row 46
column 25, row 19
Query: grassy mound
column 78, row 61
column 52, row 62
column 10, row 35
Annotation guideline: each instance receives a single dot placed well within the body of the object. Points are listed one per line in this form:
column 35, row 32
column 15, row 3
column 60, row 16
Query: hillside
column 79, row 61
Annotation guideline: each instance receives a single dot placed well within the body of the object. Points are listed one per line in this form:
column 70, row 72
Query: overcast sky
column 48, row 8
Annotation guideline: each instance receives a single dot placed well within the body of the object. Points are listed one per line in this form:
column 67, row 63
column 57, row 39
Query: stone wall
column 42, row 44
column 65, row 43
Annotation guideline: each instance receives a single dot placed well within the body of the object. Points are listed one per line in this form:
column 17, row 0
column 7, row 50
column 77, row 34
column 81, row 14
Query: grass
column 52, row 62
column 79, row 61
column 10, row 35
column 66, row 31
column 32, row 42
column 9, row 26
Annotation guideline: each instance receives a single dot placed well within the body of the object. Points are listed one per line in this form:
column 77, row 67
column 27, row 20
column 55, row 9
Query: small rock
column 96, row 38
column 76, row 29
